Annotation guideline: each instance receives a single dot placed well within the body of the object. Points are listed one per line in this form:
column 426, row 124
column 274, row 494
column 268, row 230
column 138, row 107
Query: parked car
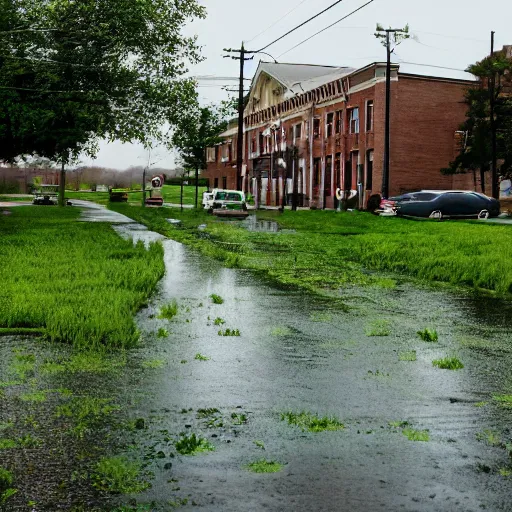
column 228, row 200
column 442, row 204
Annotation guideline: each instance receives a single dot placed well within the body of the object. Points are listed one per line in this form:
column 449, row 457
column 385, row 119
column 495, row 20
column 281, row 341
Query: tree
column 197, row 131
column 74, row 72
column 475, row 153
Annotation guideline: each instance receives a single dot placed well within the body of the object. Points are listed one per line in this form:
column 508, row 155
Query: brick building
column 319, row 128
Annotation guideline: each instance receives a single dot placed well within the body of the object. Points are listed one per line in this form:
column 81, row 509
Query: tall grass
column 80, row 282
column 330, row 250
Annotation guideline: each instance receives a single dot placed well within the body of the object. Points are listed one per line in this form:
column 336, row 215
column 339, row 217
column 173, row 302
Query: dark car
column 449, row 203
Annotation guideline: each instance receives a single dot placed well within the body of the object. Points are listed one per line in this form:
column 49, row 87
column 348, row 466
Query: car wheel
column 436, row 214
column 484, row 214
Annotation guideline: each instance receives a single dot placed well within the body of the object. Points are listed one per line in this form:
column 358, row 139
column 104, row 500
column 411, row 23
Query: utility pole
column 240, row 139
column 399, row 35
column 492, row 92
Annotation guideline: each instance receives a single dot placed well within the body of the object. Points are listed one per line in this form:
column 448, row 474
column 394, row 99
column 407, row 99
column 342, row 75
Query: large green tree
column 73, row 72
column 199, row 130
column 476, row 140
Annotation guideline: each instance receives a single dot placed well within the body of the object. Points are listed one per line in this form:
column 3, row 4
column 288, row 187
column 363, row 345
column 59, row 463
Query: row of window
column 264, row 144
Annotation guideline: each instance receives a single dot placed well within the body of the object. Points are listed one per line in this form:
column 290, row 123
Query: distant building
column 320, row 128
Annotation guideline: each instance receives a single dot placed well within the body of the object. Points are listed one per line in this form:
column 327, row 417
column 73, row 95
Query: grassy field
column 330, row 249
column 170, row 193
column 80, row 282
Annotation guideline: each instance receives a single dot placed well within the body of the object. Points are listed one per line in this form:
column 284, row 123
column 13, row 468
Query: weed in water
column 378, row 328
column 8, row 444
column 239, row 419
column 259, row 444
column 169, row 311
column 200, row 357
column 398, row 424
column 6, row 480
column 319, row 316
column 264, row 466
column 118, row 475
column 192, row 445
column 6, row 426
column 490, row 437
column 504, row 401
column 505, row 472
column 216, row 299
column 183, row 361
column 28, row 441
column 219, row 321
column 36, row 396
column 407, row 356
column 312, row 422
column 205, row 413
column 162, row 333
column 154, row 363
column 448, row 363
column 281, row 331
column 429, row 335
column 416, row 435
column 86, row 412
column 229, row 332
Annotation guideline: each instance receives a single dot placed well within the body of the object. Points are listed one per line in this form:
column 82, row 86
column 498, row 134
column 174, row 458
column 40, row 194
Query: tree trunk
column 197, row 186
column 62, row 184
column 295, row 198
column 181, row 194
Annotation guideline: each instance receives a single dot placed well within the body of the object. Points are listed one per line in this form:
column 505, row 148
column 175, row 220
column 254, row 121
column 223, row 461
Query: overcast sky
column 447, row 33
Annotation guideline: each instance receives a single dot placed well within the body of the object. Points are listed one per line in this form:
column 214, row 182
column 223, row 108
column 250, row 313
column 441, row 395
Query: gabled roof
column 297, row 78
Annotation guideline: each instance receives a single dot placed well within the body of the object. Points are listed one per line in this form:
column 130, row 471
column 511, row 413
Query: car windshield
column 228, row 196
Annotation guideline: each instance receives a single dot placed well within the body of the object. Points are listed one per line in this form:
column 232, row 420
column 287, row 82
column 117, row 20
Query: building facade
column 315, row 129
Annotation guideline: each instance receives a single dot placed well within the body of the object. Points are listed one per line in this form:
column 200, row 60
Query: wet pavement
column 299, row 353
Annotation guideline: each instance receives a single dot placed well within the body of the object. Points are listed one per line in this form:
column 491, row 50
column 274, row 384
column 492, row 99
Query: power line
column 431, row 66
column 301, row 25
column 276, row 22
column 326, row 28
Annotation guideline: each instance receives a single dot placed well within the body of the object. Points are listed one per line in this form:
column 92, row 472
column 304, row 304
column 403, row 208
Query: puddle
column 295, row 353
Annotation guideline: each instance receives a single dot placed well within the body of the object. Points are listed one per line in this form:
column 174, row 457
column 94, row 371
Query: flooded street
column 358, row 359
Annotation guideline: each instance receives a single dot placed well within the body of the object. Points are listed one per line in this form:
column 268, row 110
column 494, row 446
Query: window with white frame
column 369, row 115
column 297, row 132
column 329, row 124
column 338, row 122
column 354, row 120
column 210, row 154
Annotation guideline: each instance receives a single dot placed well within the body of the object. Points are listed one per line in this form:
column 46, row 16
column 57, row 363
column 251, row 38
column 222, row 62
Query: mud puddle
column 237, row 356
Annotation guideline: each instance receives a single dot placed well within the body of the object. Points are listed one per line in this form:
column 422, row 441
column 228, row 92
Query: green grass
column 460, row 253
column 154, row 363
column 416, row 435
column 229, row 332
column 264, row 466
column 216, row 299
column 490, row 437
column 448, row 363
column 78, row 281
column 193, row 445
column 429, row 335
column 407, row 356
column 169, row 311
column 118, row 475
column 378, row 328
column 6, row 480
column 200, row 357
column 170, row 193
column 86, row 413
column 281, row 331
column 312, row 422
column 504, row 401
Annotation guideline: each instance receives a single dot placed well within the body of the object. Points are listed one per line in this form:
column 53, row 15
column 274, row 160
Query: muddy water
column 296, row 353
